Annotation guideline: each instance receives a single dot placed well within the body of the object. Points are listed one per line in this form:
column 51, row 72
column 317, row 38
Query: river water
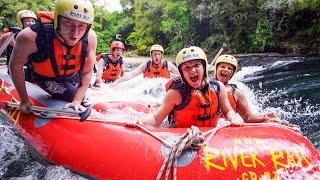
column 288, row 86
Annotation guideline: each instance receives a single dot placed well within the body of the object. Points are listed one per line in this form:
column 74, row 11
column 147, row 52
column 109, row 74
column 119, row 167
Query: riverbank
column 257, row 59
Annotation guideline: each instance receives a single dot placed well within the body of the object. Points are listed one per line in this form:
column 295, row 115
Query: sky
column 110, row 5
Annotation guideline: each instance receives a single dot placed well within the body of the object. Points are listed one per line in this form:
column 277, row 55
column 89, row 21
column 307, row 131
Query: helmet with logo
column 189, row 54
column 226, row 58
column 24, row 14
column 116, row 44
column 156, row 47
column 79, row 10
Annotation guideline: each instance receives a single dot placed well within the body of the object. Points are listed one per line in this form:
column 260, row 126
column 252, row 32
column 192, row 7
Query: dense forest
column 247, row 26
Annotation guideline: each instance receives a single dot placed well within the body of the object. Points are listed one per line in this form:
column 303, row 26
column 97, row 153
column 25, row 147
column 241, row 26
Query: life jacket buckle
column 204, row 117
column 204, row 105
column 68, row 67
column 69, row 56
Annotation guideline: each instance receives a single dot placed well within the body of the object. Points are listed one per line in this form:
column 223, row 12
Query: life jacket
column 199, row 107
column 112, row 70
column 231, row 88
column 99, row 56
column 157, row 72
column 55, row 59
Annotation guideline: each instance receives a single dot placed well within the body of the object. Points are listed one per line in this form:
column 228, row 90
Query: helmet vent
column 75, row 7
column 85, row 10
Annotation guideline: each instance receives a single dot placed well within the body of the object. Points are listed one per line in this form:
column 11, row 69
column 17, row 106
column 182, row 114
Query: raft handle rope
column 193, row 138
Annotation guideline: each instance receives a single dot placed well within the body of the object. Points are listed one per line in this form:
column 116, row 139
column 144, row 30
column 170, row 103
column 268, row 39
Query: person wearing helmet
column 110, row 66
column 154, row 68
column 61, row 53
column 25, row 18
column 224, row 69
column 192, row 100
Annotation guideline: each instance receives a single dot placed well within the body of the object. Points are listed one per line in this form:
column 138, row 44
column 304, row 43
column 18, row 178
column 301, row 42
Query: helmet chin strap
column 64, row 41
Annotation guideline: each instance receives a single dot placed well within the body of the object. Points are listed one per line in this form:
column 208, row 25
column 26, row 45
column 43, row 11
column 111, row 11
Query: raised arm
column 226, row 108
column 171, row 99
column 123, row 67
column 100, row 66
column 140, row 69
column 247, row 115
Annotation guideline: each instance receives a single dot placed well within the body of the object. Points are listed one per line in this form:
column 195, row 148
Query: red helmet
column 116, row 44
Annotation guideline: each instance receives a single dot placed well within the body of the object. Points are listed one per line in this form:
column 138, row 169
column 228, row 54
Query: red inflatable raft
column 100, row 147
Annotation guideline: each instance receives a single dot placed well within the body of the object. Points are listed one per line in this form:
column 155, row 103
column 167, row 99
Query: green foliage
column 176, row 25
column 246, row 26
column 8, row 9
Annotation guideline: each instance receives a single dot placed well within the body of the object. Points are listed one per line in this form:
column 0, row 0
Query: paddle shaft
column 224, row 46
column 13, row 32
column 44, row 109
column 6, row 43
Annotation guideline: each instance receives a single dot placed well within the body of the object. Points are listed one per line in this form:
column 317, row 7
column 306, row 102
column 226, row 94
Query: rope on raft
column 193, row 138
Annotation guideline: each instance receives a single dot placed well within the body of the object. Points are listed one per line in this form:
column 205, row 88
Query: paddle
column 13, row 31
column 43, row 110
column 224, row 46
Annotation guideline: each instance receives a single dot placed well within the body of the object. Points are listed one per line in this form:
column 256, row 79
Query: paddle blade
column 85, row 114
column 4, row 98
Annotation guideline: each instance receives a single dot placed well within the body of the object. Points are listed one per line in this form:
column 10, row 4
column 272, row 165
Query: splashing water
column 16, row 163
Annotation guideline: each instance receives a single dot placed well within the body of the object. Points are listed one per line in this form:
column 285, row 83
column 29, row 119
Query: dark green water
column 292, row 87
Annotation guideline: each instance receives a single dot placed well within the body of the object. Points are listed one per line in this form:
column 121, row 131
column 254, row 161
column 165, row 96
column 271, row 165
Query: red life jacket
column 112, row 70
column 99, row 56
column 199, row 107
column 157, row 72
column 230, row 91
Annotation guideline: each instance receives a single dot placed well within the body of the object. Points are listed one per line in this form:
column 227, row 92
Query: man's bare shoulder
column 26, row 35
column 92, row 34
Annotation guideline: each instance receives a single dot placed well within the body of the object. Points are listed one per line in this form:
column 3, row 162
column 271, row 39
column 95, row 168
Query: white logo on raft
column 190, row 56
column 77, row 15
